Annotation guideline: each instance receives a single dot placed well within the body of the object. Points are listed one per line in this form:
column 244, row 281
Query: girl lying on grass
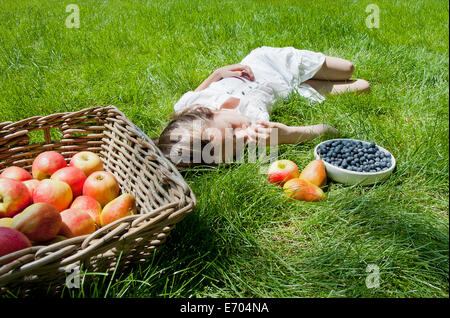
column 233, row 104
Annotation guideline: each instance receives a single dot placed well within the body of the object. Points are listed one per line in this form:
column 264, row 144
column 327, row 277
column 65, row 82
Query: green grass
column 244, row 239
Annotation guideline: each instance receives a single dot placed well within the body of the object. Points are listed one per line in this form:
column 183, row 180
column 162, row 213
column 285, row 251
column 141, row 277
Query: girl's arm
column 236, row 70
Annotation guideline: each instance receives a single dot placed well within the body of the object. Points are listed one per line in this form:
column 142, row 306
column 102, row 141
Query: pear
column 303, row 190
column 315, row 173
column 123, row 205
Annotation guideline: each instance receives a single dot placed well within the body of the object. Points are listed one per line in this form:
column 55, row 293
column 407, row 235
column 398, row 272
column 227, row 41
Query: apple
column 14, row 197
column 46, row 163
column 102, row 186
column 54, row 192
column 86, row 161
column 77, row 222
column 74, row 177
column 89, row 205
column 6, row 222
column 315, row 173
column 281, row 171
column 303, row 190
column 12, row 241
column 16, row 173
column 31, row 185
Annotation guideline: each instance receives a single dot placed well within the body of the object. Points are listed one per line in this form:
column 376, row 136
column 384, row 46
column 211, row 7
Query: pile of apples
column 58, row 200
column 304, row 186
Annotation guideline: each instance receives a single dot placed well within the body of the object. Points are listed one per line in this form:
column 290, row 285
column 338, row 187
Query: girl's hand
column 249, row 135
column 293, row 134
column 284, row 134
column 235, row 70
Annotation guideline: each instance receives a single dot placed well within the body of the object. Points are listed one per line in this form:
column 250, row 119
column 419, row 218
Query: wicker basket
column 163, row 198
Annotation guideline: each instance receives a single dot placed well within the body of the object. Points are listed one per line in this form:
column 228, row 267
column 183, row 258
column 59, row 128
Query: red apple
column 54, row 192
column 281, row 171
column 31, row 185
column 87, row 161
column 46, row 163
column 102, row 186
column 89, row 205
column 74, row 177
column 12, row 241
column 16, row 173
column 14, row 197
column 77, row 222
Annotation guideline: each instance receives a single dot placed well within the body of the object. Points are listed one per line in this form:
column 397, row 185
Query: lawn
column 244, row 239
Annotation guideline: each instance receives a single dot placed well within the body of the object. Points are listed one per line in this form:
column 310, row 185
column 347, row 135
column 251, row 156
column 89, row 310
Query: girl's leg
column 338, row 87
column 335, row 69
column 334, row 78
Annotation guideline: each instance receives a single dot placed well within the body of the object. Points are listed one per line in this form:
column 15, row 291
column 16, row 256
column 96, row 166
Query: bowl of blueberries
column 352, row 161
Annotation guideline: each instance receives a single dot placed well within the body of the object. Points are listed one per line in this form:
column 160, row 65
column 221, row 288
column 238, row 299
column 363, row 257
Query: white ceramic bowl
column 354, row 177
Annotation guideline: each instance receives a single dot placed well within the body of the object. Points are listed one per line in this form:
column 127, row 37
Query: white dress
column 277, row 71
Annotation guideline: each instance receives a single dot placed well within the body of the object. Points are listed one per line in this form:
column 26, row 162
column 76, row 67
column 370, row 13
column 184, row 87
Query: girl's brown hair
column 182, row 133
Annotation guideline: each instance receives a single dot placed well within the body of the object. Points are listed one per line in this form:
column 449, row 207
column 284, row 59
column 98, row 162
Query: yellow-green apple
column 54, row 192
column 122, row 206
column 74, row 177
column 102, row 186
column 315, row 173
column 77, row 222
column 86, row 161
column 16, row 173
column 46, row 163
column 31, row 185
column 89, row 205
column 40, row 222
column 6, row 222
column 303, row 190
column 11, row 241
column 281, row 171
column 14, row 197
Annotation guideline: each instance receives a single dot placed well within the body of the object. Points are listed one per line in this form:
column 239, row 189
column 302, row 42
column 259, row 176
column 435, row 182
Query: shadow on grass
column 181, row 267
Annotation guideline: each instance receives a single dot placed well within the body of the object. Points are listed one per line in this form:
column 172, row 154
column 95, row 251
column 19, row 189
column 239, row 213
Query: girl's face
column 225, row 124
